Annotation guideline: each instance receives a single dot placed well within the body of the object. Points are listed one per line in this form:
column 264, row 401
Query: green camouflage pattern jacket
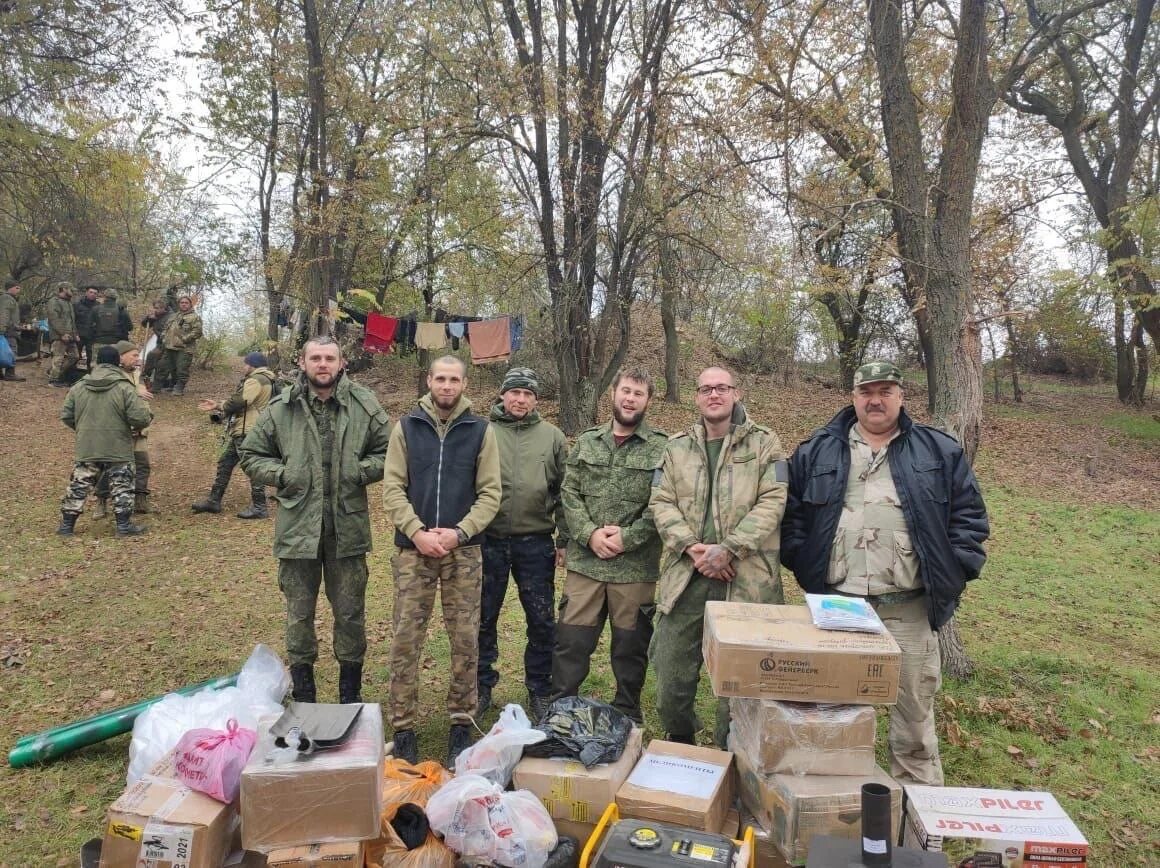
column 62, row 318
column 606, row 485
column 750, row 487
column 182, row 332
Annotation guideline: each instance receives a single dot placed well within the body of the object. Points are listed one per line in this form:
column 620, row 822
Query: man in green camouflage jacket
column 718, row 511
column 62, row 331
column 613, row 546
column 180, row 338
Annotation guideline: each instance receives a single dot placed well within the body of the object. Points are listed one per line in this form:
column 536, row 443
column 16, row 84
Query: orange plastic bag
column 404, row 783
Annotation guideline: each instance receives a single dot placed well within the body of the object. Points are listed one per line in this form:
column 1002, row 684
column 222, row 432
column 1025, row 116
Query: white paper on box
column 674, row 774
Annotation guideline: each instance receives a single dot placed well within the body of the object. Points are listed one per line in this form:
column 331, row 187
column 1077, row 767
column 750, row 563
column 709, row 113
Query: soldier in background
column 10, row 325
column 62, row 331
column 156, row 321
column 109, row 321
column 181, row 335
column 83, row 308
column 718, row 511
column 613, row 546
column 105, row 410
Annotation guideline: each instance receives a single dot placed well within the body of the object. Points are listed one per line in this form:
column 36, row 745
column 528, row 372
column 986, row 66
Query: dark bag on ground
column 582, row 729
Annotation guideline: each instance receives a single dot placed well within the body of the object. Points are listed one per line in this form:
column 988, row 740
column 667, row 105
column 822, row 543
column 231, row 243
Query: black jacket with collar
column 944, row 509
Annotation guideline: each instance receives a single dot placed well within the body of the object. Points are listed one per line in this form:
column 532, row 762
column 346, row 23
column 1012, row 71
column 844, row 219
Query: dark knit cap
column 125, row 347
column 108, row 355
column 255, row 360
column 521, row 378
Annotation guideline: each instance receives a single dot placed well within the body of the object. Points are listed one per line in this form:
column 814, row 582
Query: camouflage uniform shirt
column 609, row 485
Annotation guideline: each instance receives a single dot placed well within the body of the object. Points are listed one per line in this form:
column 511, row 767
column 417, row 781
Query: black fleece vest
column 441, row 473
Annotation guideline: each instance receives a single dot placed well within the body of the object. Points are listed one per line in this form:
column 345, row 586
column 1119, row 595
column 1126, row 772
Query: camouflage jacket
column 248, row 400
column 62, row 318
column 9, row 315
column 182, row 332
column 105, row 410
column 749, row 493
column 606, row 485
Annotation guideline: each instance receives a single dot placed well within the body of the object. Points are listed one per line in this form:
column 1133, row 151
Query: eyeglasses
column 720, row 389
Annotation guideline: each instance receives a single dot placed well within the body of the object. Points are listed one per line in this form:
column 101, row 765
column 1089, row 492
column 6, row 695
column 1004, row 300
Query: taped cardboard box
column 336, row 854
column 794, row 808
column 572, row 793
column 329, row 796
column 761, row 651
column 160, row 822
column 682, row 784
column 765, row 852
column 994, row 828
column 801, row 738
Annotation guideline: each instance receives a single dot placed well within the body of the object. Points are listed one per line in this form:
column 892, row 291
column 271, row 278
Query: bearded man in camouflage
column 718, row 510
column 884, row 508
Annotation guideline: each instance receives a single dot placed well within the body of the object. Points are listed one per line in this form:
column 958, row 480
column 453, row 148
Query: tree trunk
column 669, row 322
column 955, row 661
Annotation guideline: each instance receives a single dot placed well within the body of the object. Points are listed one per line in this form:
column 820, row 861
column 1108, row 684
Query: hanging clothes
column 380, row 333
column 491, row 340
column 517, row 331
column 430, row 335
column 405, row 335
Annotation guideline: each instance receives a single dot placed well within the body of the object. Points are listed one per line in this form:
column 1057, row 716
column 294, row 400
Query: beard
column 445, row 403
column 323, row 381
column 628, row 420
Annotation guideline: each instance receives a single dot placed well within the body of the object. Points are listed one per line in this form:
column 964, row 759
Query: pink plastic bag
column 211, row 761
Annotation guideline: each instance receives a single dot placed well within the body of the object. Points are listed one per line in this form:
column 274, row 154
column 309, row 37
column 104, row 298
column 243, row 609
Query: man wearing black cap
column 239, row 414
column 884, row 508
column 519, row 540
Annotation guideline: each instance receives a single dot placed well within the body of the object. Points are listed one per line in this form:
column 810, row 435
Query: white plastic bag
column 496, row 754
column 478, row 820
column 262, row 684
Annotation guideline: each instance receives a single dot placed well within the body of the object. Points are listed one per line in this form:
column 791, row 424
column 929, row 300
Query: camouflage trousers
column 84, row 478
column 174, row 366
column 913, row 742
column 345, row 580
column 65, row 356
column 458, row 576
column 143, row 470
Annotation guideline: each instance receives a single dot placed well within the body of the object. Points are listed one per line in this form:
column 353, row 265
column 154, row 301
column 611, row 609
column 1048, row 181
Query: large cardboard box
column 794, row 808
column 803, row 738
column 682, row 784
column 775, row 652
column 996, row 828
column 332, row 795
column 160, row 822
column 573, row 794
column 337, row 854
column 765, row 852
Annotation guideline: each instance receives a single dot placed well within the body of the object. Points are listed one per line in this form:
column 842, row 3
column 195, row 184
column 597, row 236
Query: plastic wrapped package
column 478, row 820
column 582, row 729
column 802, row 738
column 496, row 754
column 261, row 685
column 288, row 799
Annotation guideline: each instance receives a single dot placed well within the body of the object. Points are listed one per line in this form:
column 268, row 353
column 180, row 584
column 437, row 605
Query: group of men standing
column 649, row 528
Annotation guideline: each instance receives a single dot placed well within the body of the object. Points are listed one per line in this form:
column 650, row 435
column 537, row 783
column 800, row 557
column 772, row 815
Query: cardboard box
column 338, row 854
column 997, row 828
column 332, row 795
column 682, row 784
column 794, row 808
column 775, row 652
column 801, row 738
column 765, row 852
column 160, row 822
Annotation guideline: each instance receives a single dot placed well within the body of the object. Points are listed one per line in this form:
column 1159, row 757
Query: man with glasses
column 718, row 509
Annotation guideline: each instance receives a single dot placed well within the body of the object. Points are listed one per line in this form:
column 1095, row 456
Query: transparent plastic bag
column 496, row 754
column 262, row 684
column 211, row 761
column 403, row 782
column 478, row 820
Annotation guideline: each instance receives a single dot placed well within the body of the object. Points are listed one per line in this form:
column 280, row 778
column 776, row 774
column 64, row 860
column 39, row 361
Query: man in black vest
column 441, row 488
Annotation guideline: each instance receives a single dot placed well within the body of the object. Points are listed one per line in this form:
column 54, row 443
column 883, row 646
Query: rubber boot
column 102, row 508
column 349, row 682
column 257, row 507
column 141, row 504
column 125, row 526
column 458, row 740
column 68, row 523
column 302, row 675
column 406, row 746
column 179, row 389
column 538, row 704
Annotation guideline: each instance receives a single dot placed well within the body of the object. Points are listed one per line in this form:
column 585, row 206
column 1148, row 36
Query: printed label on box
column 678, row 775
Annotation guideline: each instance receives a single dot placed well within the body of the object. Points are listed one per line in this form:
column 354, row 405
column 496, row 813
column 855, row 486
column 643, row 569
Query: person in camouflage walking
column 104, row 409
column 718, row 511
column 180, row 337
column 441, row 490
column 613, row 547
column 10, row 325
column 130, row 362
column 884, row 508
column 62, row 331
column 320, row 443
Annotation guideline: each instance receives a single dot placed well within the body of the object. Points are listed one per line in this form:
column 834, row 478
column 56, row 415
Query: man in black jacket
column 884, row 508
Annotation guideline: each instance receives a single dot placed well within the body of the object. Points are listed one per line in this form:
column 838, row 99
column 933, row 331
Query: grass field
column 1062, row 625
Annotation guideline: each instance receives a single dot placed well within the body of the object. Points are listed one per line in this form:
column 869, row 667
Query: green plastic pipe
column 52, row 743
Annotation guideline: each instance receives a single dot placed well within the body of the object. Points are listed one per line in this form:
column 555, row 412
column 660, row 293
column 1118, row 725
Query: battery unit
column 648, row 844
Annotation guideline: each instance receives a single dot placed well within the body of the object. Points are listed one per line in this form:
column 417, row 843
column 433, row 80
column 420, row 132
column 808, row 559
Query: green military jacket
column 248, row 400
column 182, row 332
column 533, row 454
column 105, row 410
column 284, row 450
column 9, row 315
column 606, row 485
column 750, row 486
column 62, row 318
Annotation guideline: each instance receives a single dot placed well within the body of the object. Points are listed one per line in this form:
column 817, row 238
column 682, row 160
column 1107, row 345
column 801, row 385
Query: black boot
column 406, row 746
column 125, row 526
column 482, row 699
column 538, row 706
column 11, row 375
column 458, row 740
column 179, row 389
column 211, row 503
column 302, row 674
column 349, row 682
column 68, row 523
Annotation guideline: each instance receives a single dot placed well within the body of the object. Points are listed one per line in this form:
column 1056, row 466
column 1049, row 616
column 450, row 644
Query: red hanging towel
column 380, row 333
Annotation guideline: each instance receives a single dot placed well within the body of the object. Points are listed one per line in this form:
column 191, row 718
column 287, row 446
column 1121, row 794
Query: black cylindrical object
column 875, row 825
